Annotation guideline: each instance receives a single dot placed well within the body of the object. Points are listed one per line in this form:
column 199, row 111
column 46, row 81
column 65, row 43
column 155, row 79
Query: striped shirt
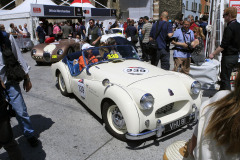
column 147, row 28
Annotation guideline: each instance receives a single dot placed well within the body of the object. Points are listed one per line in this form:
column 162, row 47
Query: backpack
column 14, row 71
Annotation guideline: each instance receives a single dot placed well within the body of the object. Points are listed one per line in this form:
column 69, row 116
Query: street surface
column 69, row 131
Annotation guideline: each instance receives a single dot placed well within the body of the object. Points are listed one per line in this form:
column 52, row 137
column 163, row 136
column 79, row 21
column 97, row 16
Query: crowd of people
column 221, row 121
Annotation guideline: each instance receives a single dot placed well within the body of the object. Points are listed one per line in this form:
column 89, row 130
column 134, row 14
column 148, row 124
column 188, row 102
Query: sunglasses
column 225, row 14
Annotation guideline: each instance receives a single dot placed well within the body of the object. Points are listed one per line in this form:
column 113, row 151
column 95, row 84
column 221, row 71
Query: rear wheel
column 114, row 121
column 62, row 85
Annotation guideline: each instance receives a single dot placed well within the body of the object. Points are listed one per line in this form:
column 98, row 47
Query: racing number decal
column 54, row 56
column 111, row 56
column 136, row 70
column 81, row 88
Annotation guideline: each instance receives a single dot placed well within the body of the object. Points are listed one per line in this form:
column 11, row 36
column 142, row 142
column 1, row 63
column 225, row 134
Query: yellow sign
column 111, row 56
column 54, row 56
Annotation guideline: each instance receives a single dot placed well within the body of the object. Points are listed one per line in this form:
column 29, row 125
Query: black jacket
column 231, row 39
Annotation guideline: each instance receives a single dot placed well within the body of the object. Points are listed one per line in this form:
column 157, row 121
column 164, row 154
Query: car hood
column 127, row 72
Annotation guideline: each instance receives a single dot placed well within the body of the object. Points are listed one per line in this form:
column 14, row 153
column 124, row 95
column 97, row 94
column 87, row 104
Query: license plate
column 178, row 123
column 54, row 56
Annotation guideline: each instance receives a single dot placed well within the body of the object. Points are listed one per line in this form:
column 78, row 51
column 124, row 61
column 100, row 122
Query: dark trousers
column 163, row 56
column 227, row 65
column 11, row 145
column 145, row 52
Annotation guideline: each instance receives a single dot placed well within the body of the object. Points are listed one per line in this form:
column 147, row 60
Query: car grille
column 37, row 57
column 171, row 108
column 47, row 56
column 165, row 109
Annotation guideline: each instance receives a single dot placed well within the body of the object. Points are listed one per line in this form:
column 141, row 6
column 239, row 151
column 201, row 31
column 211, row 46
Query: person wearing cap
column 40, row 33
column 89, row 57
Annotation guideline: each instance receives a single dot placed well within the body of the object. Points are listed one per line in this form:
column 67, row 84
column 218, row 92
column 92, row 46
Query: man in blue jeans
column 165, row 29
column 14, row 91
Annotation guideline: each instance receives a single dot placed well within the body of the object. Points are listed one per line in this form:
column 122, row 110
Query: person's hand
column 27, row 85
column 211, row 56
column 3, row 85
column 94, row 42
column 173, row 42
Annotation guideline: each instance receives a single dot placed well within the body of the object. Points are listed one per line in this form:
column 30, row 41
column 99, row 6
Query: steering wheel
column 91, row 61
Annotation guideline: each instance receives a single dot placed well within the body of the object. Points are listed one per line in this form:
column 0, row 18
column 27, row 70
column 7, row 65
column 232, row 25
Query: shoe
column 33, row 141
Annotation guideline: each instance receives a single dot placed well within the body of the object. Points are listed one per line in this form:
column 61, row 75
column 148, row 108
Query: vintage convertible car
column 55, row 51
column 135, row 99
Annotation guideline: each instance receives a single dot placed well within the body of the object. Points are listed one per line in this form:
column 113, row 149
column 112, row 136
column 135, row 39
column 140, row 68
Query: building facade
column 192, row 7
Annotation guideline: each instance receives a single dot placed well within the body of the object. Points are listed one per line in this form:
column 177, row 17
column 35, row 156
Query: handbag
column 177, row 150
column 14, row 71
column 152, row 44
column 134, row 39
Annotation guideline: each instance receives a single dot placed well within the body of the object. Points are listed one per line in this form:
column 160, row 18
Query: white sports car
column 114, row 32
column 136, row 100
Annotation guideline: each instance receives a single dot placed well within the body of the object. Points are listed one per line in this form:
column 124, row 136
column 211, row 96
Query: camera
column 173, row 39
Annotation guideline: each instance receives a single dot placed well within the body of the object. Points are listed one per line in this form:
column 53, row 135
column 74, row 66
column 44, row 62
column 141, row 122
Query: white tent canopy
column 21, row 15
column 25, row 7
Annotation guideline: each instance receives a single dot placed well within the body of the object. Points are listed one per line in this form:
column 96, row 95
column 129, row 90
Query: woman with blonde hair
column 217, row 135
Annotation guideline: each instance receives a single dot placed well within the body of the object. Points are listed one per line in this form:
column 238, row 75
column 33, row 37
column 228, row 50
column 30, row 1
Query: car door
column 89, row 90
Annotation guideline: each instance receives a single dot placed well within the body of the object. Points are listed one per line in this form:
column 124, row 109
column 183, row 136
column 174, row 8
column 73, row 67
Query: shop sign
column 37, row 10
column 58, row 11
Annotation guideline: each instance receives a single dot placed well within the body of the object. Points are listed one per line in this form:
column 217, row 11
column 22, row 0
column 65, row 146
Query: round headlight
column 60, row 52
column 147, row 101
column 34, row 51
column 196, row 87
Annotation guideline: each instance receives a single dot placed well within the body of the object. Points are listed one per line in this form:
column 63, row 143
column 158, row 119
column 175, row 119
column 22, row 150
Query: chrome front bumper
column 160, row 128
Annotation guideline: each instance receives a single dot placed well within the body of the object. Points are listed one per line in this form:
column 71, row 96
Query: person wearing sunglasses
column 230, row 47
column 94, row 33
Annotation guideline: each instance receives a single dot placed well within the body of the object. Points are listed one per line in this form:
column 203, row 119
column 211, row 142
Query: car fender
column 126, row 104
column 63, row 68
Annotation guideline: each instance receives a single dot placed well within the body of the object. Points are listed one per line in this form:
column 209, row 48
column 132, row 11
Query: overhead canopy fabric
column 25, row 7
column 82, row 3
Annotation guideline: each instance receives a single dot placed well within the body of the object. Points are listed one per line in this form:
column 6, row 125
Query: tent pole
column 100, row 4
column 7, row 4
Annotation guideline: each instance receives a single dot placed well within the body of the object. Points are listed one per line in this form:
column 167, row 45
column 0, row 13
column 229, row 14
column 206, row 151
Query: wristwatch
column 27, row 79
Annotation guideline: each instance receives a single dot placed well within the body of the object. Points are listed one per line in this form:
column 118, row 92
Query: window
column 200, row 8
column 194, row 6
column 186, row 5
column 206, row 9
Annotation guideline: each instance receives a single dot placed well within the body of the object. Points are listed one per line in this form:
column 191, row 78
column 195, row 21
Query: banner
column 58, row 11
column 100, row 12
column 236, row 4
column 78, row 11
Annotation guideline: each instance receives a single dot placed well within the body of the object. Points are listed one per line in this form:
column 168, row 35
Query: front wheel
column 62, row 85
column 114, row 121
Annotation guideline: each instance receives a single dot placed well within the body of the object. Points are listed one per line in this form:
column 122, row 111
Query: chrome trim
column 159, row 129
column 158, row 132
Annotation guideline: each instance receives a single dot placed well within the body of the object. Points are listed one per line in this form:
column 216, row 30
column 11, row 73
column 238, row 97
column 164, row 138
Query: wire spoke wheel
column 114, row 121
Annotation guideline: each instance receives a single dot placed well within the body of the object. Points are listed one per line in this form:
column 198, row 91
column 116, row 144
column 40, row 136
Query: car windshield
column 112, row 31
column 96, row 55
